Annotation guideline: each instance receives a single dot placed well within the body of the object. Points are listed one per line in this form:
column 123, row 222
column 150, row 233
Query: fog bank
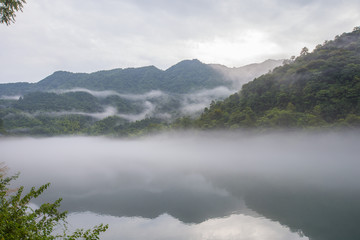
column 195, row 177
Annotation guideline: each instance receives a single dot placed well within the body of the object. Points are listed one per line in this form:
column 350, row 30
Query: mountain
column 186, row 76
column 242, row 75
column 66, row 102
column 321, row 88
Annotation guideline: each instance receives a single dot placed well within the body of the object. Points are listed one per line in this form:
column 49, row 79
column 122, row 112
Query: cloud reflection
column 195, row 177
column 236, row 226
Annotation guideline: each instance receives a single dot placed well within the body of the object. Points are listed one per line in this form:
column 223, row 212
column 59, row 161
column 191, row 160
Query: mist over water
column 226, row 179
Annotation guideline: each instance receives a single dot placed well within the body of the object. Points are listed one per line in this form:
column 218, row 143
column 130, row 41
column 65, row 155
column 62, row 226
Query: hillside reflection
column 305, row 181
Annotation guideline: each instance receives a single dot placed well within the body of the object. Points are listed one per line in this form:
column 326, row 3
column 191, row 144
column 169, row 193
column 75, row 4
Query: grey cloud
column 85, row 37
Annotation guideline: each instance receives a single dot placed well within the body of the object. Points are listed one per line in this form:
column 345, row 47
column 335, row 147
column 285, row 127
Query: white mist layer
column 196, row 102
column 15, row 97
column 108, row 93
column 192, row 177
column 191, row 103
column 108, row 112
column 147, row 162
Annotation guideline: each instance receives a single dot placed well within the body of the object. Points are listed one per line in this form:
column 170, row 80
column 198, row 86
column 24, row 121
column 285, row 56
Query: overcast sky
column 89, row 35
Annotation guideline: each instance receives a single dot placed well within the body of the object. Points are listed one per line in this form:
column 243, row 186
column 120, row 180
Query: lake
column 218, row 185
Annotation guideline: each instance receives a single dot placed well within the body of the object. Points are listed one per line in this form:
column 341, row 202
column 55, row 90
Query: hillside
column 321, row 88
column 111, row 101
column 188, row 75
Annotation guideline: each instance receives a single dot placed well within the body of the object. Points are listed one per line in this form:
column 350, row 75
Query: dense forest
column 316, row 89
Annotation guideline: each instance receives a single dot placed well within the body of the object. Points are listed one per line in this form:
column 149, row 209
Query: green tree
column 19, row 221
column 304, row 51
column 8, row 8
column 1, row 126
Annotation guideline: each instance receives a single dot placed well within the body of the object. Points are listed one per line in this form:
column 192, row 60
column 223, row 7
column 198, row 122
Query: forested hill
column 184, row 77
column 315, row 89
column 110, row 102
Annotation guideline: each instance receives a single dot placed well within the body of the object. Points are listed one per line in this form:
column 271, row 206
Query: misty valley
column 197, row 151
column 181, row 185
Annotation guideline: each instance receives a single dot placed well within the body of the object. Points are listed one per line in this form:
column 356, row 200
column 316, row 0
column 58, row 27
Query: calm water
column 200, row 186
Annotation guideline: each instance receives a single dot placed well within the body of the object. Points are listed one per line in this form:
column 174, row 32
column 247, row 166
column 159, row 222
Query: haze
column 193, row 177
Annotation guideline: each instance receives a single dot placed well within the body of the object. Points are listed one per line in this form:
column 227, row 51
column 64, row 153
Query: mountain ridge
column 187, row 75
column 109, row 101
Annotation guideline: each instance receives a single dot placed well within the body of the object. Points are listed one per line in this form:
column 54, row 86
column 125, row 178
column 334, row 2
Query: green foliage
column 109, row 125
column 183, row 123
column 44, row 101
column 2, row 130
column 8, row 8
column 191, row 75
column 19, row 221
column 13, row 89
column 188, row 75
column 315, row 89
column 142, row 127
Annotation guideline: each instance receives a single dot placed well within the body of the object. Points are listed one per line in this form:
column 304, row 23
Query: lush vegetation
column 43, row 101
column 321, row 88
column 45, row 113
column 19, row 221
column 188, row 75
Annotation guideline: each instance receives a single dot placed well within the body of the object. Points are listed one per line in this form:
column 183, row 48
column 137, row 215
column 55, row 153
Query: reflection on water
column 306, row 181
column 236, row 226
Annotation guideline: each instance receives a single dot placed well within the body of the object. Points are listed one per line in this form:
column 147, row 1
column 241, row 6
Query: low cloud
column 10, row 97
column 196, row 102
column 108, row 111
column 147, row 112
column 107, row 93
column 190, row 103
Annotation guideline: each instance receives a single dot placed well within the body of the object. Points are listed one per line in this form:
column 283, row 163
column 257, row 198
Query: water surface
column 216, row 185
